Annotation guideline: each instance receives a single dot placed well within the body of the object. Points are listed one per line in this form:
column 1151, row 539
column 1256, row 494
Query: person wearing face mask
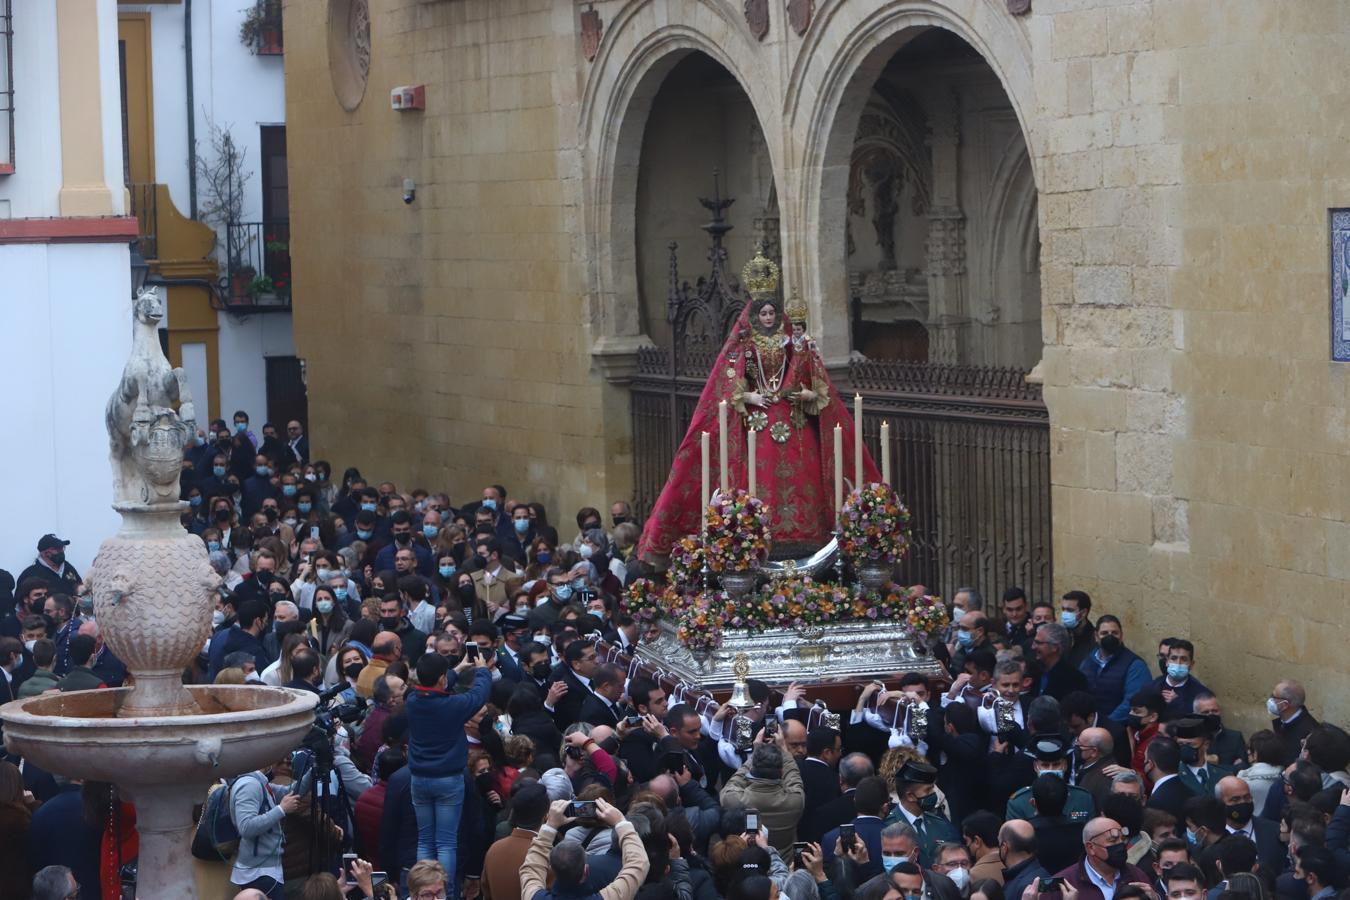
column 1114, row 673
column 1197, row 772
column 1105, row 866
column 606, row 572
column 1227, row 746
column 246, row 635
column 394, row 619
column 50, row 567
column 916, row 788
column 366, row 522
column 43, row 678
column 1050, row 756
column 971, row 635
column 513, row 629
column 1074, row 610
column 1240, row 818
column 489, row 582
column 1178, row 686
column 522, row 532
column 953, row 861
column 559, row 594
column 1144, row 724
column 330, row 626
column 259, row 486
column 402, row 538
column 1290, row 718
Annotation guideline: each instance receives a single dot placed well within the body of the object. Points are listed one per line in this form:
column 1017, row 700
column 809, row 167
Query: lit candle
column 703, row 495
column 857, row 442
column 839, row 468
column 886, row 452
column 724, row 483
column 750, row 459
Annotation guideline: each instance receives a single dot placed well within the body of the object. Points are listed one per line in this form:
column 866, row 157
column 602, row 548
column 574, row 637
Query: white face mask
column 218, row 618
column 585, row 550
column 960, row 877
column 29, row 645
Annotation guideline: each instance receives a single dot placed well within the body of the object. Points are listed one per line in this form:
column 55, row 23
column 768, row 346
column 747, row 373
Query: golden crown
column 796, row 310
column 760, row 275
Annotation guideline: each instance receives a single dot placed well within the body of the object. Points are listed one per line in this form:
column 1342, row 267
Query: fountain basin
column 79, row 734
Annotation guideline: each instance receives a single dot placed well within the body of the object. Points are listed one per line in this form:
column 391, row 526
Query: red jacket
column 368, row 813
column 1077, row 876
column 1141, row 742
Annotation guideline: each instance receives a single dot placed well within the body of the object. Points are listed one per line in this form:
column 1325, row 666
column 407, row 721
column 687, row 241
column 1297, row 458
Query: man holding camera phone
column 567, row 860
column 769, row 783
column 438, row 752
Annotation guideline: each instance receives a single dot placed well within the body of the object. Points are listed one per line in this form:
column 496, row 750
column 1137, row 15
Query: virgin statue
column 775, row 384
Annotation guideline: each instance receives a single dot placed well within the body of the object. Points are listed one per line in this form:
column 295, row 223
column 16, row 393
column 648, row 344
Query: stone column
column 945, row 249
column 84, row 187
column 164, row 824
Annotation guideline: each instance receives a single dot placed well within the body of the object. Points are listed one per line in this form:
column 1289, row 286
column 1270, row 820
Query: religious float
column 772, row 425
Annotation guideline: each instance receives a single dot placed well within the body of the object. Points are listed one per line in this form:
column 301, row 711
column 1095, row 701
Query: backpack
column 216, row 838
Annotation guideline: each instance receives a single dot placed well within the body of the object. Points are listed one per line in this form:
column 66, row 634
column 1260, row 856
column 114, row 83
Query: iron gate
column 970, row 445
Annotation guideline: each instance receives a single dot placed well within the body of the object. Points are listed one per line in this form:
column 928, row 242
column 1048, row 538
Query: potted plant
column 261, row 284
column 221, row 176
column 261, row 29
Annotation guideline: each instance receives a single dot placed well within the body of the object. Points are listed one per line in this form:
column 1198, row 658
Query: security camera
column 409, row 190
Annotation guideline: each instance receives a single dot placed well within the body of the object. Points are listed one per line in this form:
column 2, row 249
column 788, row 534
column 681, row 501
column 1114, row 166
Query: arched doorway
column 705, row 198
column 927, row 232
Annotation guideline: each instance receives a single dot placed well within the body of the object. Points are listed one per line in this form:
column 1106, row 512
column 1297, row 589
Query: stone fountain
column 162, row 743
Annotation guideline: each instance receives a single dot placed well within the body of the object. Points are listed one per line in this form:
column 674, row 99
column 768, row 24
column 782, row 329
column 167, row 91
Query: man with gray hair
column 1051, row 646
column 770, row 783
column 1290, row 719
column 853, row 768
column 55, row 883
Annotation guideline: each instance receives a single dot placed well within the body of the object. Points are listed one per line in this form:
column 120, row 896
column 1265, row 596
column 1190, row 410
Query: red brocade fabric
column 795, row 477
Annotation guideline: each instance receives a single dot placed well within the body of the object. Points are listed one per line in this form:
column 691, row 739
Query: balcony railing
column 145, row 207
column 258, row 266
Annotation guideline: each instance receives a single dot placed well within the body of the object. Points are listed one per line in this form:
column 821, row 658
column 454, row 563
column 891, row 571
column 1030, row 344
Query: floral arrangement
column 646, row 601
column 875, row 525
column 737, row 533
column 893, row 605
column 686, row 565
column 700, row 626
column 927, row 614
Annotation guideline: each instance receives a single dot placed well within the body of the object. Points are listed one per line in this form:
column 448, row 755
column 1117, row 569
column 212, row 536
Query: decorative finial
column 796, row 310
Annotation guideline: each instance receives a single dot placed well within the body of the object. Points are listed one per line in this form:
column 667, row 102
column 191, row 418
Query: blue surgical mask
column 964, row 637
column 578, row 584
column 543, row 557
column 430, row 530
column 585, row 550
column 1192, row 838
column 364, row 534
column 212, row 546
column 1068, row 619
column 563, row 592
column 218, row 471
column 325, row 606
column 340, row 593
column 489, row 503
column 305, row 507
column 1178, row 671
column 890, row 862
column 368, row 507
column 240, row 427
column 289, row 490
column 195, row 502
column 447, row 571
column 521, row 525
column 263, row 471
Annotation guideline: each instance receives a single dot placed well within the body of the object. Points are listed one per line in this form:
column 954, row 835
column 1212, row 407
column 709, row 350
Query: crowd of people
column 478, row 740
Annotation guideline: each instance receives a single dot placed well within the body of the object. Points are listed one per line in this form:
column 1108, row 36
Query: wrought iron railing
column 258, row 265
column 145, row 207
column 6, row 88
column 262, row 28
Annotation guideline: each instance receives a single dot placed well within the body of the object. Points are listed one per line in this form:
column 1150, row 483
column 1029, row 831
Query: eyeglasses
column 1114, row 836
column 430, row 894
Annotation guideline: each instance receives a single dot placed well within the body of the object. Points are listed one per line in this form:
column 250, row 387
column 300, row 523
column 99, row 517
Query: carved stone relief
column 757, row 17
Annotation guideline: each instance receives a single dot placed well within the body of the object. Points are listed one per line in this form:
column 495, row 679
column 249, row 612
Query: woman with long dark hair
column 15, row 817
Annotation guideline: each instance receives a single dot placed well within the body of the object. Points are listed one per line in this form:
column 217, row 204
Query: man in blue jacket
column 438, row 751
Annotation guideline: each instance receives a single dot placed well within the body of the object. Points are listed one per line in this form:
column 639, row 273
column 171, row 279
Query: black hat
column 48, row 541
column 1189, row 727
column 513, row 623
column 1049, row 747
column 914, row 772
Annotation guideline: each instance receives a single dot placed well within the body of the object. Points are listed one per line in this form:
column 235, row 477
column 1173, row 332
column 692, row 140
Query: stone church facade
column 1130, row 196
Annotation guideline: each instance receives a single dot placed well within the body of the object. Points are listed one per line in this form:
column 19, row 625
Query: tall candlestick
column 857, row 442
column 724, row 483
column 839, row 468
column 886, row 452
column 703, row 494
column 750, row 459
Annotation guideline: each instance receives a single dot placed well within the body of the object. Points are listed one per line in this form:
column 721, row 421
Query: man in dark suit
column 1197, row 772
column 1093, row 752
column 602, row 706
column 1239, row 811
column 1161, row 762
column 870, row 798
column 11, row 654
column 297, row 442
column 1292, row 722
column 961, row 780
column 916, row 786
column 1059, row 839
column 685, row 735
column 852, row 770
column 820, row 779
column 1059, row 678
column 578, row 667
column 1080, row 712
